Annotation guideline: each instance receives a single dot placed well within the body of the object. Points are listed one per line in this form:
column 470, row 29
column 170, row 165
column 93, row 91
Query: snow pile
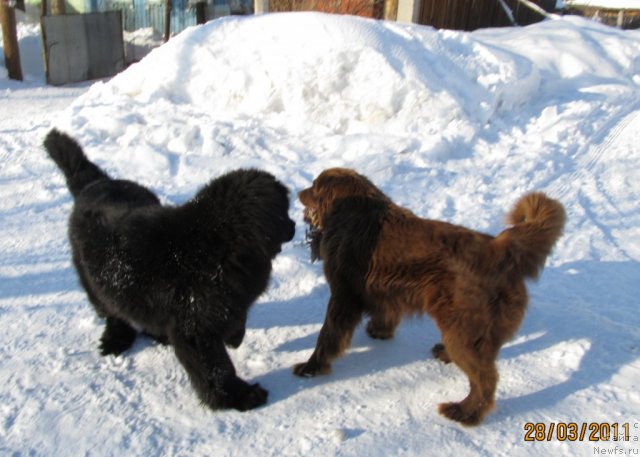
column 453, row 125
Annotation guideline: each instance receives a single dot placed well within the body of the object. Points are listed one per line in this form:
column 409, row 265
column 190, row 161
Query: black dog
column 185, row 275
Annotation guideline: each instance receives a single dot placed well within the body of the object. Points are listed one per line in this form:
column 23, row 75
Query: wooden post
column 409, row 10
column 260, row 6
column 167, row 20
column 201, row 13
column 10, row 40
column 390, row 10
column 58, row 7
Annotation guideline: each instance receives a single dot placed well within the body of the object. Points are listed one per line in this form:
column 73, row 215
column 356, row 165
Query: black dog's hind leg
column 212, row 373
column 235, row 334
column 118, row 336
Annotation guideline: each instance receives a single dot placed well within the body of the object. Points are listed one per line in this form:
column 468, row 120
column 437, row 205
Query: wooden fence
column 138, row 14
column 366, row 8
column 475, row 14
column 445, row 14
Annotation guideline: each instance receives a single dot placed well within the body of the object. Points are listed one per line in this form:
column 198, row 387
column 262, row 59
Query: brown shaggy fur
column 382, row 260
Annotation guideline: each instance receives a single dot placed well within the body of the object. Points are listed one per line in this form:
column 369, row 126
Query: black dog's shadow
column 40, row 283
column 563, row 309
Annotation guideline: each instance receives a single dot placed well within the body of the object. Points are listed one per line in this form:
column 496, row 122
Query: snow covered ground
column 453, row 125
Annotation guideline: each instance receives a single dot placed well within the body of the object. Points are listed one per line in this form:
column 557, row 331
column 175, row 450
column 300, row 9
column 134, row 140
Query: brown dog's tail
column 537, row 223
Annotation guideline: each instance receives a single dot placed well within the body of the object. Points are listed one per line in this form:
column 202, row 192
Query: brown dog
column 382, row 260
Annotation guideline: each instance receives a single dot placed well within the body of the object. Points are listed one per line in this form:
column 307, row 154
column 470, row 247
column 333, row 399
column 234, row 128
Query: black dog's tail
column 70, row 158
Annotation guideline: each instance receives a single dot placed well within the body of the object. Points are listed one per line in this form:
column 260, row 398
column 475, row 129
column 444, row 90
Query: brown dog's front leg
column 343, row 315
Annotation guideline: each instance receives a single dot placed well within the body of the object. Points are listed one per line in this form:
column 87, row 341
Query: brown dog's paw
column 379, row 333
column 456, row 412
column 440, row 353
column 254, row 397
column 310, row 369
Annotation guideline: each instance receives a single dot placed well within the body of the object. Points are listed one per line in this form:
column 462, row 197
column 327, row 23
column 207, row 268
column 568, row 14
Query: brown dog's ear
column 324, row 196
column 336, row 183
column 313, row 238
column 330, row 185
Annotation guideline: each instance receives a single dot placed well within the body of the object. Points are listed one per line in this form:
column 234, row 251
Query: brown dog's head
column 329, row 186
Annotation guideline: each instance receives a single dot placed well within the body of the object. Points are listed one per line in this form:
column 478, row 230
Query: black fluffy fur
column 185, row 275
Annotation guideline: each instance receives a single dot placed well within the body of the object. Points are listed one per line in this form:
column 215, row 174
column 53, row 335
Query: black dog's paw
column 114, row 346
column 253, row 397
column 118, row 336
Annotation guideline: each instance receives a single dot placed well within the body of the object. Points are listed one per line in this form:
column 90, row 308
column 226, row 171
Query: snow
column 139, row 43
column 452, row 125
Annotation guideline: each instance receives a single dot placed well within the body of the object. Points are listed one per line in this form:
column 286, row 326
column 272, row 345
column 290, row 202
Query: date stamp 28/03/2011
column 585, row 431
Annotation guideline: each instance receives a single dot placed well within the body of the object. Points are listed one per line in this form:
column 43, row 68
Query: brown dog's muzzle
column 310, row 207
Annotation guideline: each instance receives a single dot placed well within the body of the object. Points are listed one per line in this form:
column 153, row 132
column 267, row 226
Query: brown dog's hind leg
column 335, row 337
column 440, row 353
column 478, row 363
column 383, row 326
column 473, row 409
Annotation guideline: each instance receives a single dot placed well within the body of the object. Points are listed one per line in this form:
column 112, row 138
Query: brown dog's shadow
column 576, row 332
column 566, row 315
column 367, row 357
column 412, row 342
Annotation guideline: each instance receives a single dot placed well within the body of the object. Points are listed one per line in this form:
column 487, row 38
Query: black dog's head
column 272, row 218
column 250, row 206
column 285, row 228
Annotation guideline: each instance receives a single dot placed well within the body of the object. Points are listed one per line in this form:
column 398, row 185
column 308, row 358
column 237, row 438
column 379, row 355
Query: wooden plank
column 103, row 32
column 66, row 52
